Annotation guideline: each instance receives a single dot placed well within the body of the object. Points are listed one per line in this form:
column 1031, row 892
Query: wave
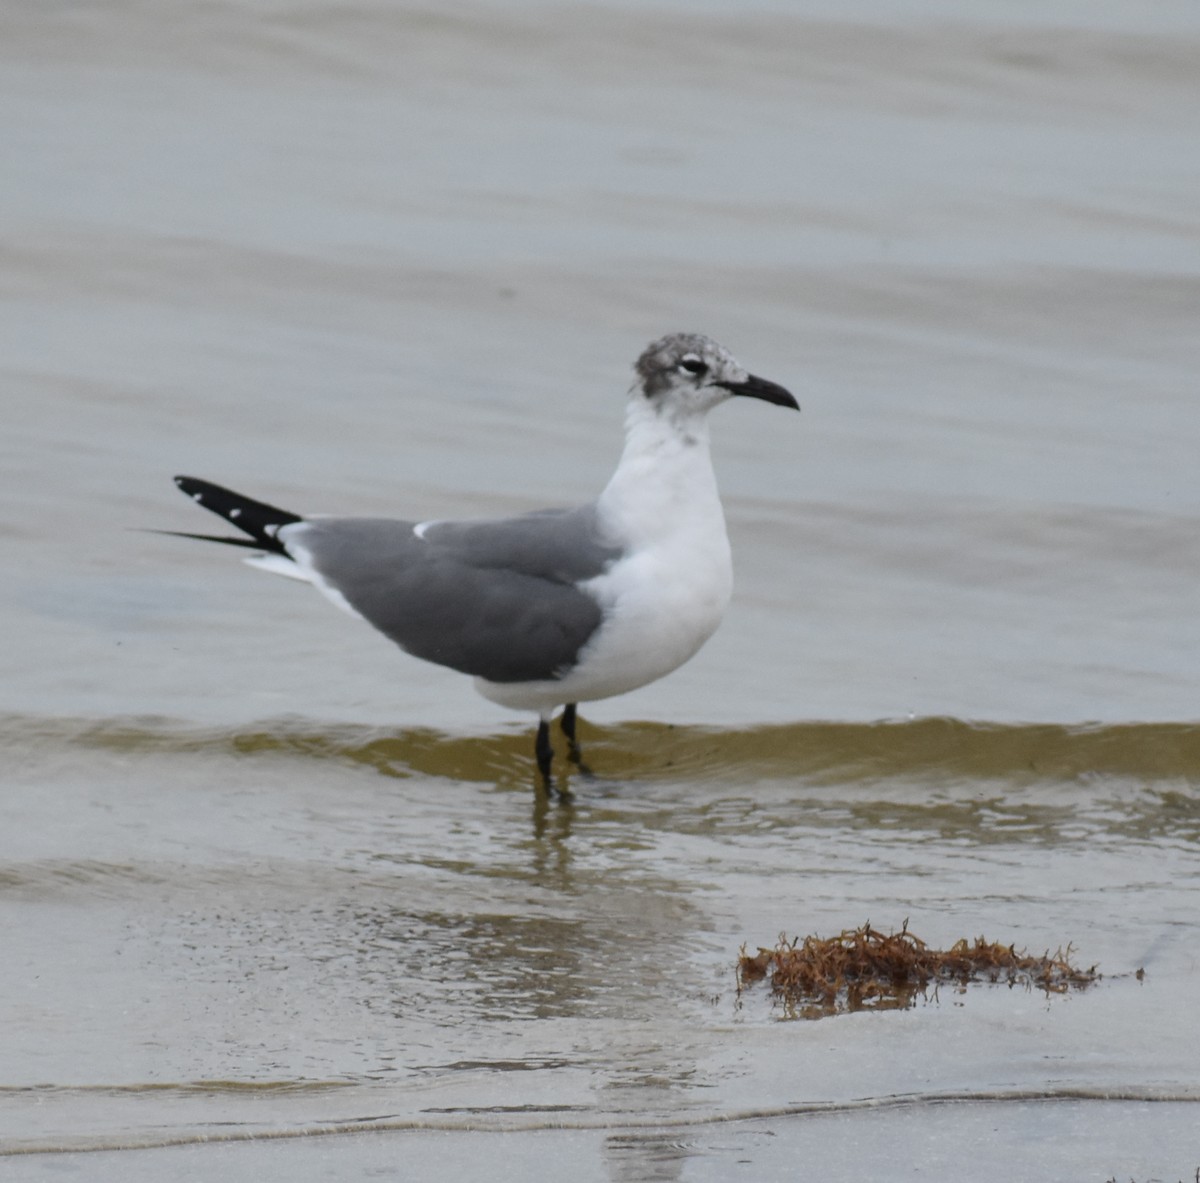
column 937, row 748
column 526, row 1119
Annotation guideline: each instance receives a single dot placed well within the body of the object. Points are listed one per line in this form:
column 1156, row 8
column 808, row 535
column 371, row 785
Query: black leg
column 574, row 751
column 545, row 753
column 567, row 723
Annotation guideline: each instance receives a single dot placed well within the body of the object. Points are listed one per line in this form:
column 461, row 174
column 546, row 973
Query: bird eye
column 693, row 365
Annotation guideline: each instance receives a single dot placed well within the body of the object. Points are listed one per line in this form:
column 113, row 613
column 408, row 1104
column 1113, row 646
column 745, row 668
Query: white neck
column 664, row 483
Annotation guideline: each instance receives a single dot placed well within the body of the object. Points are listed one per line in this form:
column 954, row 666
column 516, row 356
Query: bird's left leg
column 567, row 723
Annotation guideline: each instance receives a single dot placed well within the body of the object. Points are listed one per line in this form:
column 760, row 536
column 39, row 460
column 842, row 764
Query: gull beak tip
column 769, row 392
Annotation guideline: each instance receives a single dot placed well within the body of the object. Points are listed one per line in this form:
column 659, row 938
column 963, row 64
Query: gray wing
column 495, row 599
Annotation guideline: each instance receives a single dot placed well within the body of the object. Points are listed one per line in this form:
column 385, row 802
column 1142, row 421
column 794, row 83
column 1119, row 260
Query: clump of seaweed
column 865, row 969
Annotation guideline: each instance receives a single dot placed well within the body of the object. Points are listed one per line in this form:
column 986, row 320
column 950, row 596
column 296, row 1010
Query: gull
column 555, row 607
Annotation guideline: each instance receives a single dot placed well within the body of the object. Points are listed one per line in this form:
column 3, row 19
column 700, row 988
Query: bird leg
column 545, row 753
column 567, row 723
column 543, row 750
column 574, row 751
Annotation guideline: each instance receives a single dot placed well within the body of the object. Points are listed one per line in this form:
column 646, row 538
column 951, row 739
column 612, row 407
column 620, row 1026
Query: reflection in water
column 657, row 1158
column 532, row 933
column 500, row 966
column 549, row 849
column 663, row 1155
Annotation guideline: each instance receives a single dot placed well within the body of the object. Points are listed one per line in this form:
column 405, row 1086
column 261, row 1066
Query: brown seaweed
column 865, row 969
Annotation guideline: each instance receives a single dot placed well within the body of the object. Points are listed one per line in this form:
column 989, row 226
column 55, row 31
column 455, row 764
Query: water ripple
column 932, row 749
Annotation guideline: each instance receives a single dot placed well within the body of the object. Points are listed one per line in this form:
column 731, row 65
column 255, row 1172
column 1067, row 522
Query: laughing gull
column 556, row 607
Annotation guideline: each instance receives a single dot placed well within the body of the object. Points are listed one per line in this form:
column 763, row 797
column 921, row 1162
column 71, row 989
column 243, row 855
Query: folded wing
column 499, row 600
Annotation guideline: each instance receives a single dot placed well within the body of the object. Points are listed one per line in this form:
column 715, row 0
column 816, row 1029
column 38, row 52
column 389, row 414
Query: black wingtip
column 192, row 486
column 255, row 518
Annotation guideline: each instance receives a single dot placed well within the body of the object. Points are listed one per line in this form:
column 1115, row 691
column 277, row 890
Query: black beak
column 769, row 392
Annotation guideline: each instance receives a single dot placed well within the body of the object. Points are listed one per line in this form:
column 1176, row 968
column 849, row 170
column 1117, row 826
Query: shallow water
column 262, row 877
column 230, row 935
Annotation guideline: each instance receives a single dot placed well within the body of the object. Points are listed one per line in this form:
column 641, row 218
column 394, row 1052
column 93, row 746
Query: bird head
column 686, row 374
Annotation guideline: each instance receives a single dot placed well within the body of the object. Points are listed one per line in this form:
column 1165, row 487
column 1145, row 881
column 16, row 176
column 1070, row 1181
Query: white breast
column 665, row 597
column 660, row 607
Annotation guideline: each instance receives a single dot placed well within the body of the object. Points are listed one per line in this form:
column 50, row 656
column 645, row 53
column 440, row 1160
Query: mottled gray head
column 691, row 372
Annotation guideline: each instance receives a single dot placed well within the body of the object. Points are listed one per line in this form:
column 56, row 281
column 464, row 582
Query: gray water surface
column 263, row 878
